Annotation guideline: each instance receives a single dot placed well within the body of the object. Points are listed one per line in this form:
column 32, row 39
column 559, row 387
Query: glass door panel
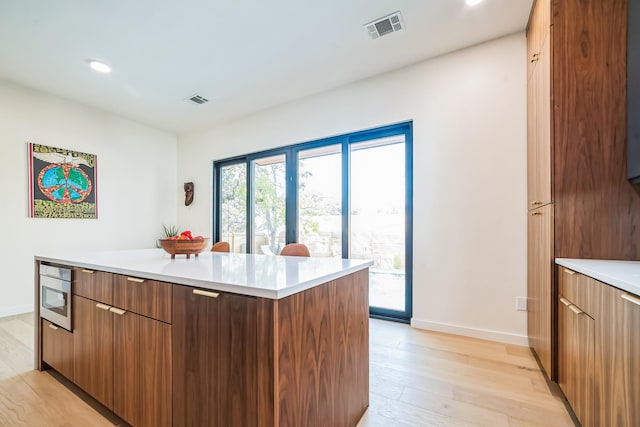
column 269, row 205
column 377, row 217
column 320, row 200
column 233, row 206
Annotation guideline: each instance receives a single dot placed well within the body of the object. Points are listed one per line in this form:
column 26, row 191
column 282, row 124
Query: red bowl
column 184, row 247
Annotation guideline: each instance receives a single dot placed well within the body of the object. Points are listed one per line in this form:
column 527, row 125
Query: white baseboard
column 484, row 334
column 16, row 309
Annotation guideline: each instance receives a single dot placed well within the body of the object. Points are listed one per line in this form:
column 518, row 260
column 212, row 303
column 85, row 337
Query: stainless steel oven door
column 55, row 301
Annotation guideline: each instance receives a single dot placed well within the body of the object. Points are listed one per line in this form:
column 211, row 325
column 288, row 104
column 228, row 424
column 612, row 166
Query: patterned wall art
column 62, row 183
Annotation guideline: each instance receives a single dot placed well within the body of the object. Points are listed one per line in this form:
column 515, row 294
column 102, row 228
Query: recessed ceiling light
column 100, row 67
column 473, row 2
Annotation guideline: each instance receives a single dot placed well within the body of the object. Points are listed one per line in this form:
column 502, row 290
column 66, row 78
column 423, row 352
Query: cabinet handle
column 536, row 213
column 206, row 293
column 54, row 327
column 569, row 272
column 631, row 299
column 133, row 279
column 103, row 306
column 565, row 302
column 535, row 57
column 536, row 202
column 117, row 311
column 575, row 309
column 88, row 271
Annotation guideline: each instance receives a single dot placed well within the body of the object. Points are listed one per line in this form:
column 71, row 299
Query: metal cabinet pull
column 134, row 279
column 569, row 272
column 117, row 311
column 54, row 327
column 535, row 57
column 631, row 299
column 103, row 306
column 206, row 293
column 575, row 309
column 88, row 271
column 536, row 202
column 565, row 302
column 536, row 213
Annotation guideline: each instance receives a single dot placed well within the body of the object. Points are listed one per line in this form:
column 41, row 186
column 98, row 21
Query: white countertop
column 265, row 276
column 624, row 275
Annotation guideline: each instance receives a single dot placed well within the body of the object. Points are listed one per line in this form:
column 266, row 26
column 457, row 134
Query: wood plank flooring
column 418, row 378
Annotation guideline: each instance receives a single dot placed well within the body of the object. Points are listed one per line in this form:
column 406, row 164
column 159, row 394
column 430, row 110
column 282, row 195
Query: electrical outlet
column 521, row 303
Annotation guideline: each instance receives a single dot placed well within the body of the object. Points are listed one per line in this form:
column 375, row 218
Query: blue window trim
column 291, row 155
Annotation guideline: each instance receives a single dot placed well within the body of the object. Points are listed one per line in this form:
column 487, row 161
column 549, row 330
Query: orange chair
column 221, row 247
column 295, row 249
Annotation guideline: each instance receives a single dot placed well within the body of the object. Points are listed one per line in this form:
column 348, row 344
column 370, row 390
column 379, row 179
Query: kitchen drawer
column 582, row 291
column 57, row 348
column 93, row 284
column 142, row 296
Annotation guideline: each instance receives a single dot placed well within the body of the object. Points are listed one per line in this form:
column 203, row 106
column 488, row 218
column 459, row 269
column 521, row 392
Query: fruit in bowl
column 184, row 244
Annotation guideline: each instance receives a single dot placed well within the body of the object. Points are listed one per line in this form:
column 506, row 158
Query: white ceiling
column 243, row 55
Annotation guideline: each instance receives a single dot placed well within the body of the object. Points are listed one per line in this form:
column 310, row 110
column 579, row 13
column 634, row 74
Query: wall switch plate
column 521, row 303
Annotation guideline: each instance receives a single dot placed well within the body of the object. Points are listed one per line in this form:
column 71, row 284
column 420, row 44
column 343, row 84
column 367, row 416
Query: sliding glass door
column 377, row 217
column 344, row 197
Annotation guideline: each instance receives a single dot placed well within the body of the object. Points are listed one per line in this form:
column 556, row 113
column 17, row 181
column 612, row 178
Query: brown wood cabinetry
column 57, row 348
column 146, row 297
column 599, row 351
column 92, row 284
column 539, row 290
column 576, row 151
column 142, row 370
column 576, row 349
column 93, row 349
column 214, row 358
column 121, row 358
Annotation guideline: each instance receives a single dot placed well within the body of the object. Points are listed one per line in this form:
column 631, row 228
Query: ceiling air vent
column 197, row 99
column 386, row 25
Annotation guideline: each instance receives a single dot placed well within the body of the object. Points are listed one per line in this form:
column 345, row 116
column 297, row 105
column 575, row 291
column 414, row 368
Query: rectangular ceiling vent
column 386, row 25
column 197, row 99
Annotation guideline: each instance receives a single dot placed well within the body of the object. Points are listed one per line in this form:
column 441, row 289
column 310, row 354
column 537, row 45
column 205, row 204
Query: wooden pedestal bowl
column 184, row 247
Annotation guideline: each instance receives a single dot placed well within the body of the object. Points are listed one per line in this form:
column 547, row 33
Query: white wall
column 469, row 115
column 136, row 185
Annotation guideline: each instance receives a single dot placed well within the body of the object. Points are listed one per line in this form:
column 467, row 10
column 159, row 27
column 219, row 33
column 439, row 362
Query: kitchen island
column 218, row 339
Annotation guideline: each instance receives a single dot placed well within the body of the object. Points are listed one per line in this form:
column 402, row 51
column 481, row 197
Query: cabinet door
column 539, row 283
column 214, row 358
column 92, row 284
column 142, row 370
column 57, row 348
column 538, row 29
column 147, row 297
column 576, row 359
column 93, row 349
column 625, row 392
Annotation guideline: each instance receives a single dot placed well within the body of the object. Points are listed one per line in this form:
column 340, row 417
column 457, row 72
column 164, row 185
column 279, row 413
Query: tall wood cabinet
column 576, row 151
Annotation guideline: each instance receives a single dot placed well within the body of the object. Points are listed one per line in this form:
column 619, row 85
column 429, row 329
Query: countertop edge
column 588, row 268
column 218, row 286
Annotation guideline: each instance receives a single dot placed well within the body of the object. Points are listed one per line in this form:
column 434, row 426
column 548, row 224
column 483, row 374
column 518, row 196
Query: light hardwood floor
column 418, row 378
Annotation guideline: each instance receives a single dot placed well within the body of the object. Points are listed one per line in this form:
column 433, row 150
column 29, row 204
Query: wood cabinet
column 57, row 348
column 540, row 236
column 576, row 349
column 142, row 370
column 214, row 358
column 93, row 349
column 576, row 141
column 540, row 293
column 122, row 358
column 598, row 351
column 92, row 284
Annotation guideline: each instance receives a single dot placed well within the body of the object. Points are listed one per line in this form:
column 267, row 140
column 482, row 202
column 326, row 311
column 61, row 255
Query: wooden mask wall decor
column 188, row 193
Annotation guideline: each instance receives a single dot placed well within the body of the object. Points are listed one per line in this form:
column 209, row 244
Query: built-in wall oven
column 55, row 295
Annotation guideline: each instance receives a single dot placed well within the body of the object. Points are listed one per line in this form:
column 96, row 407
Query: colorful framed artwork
column 62, row 183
